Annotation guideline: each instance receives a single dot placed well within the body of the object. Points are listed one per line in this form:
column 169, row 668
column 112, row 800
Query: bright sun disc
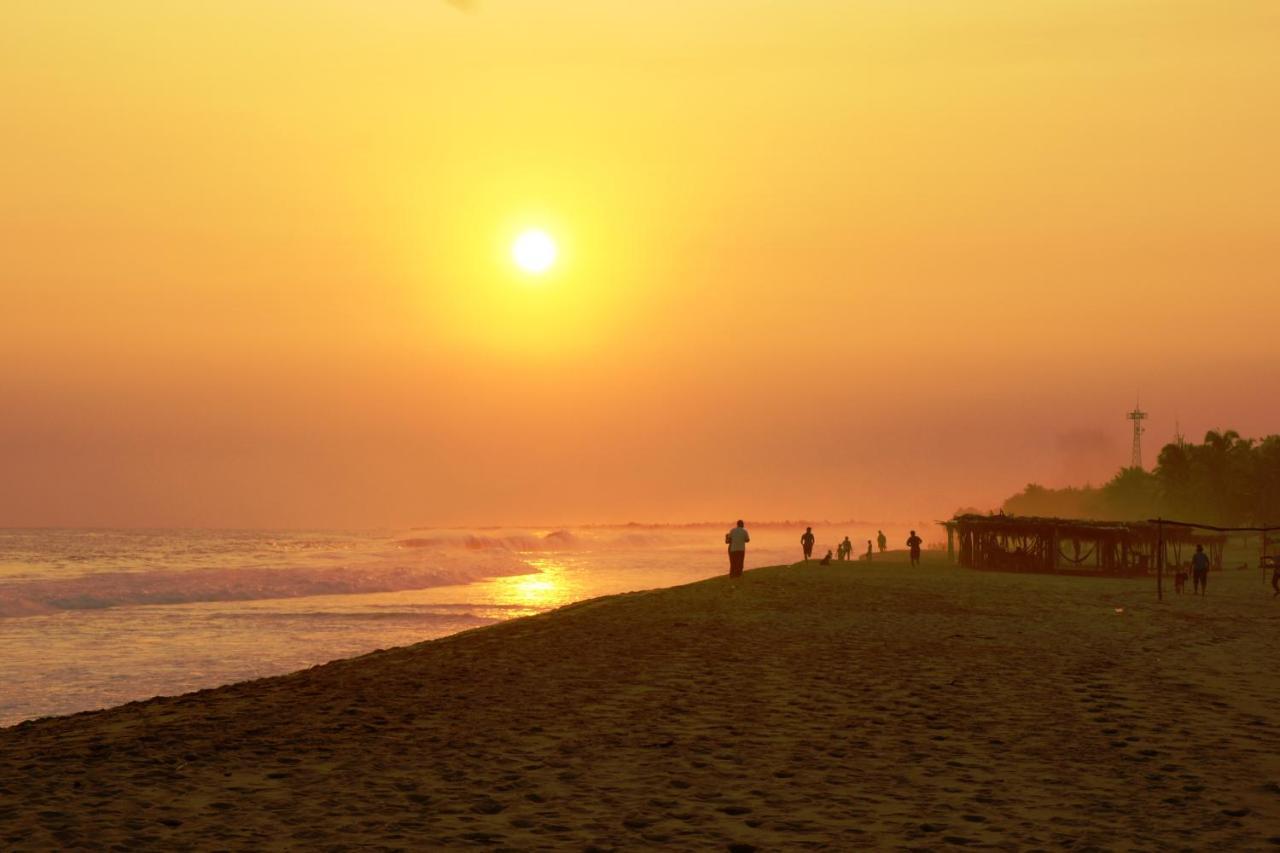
column 534, row 251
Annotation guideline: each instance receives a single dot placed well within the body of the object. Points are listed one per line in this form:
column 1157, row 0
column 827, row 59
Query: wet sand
column 850, row 707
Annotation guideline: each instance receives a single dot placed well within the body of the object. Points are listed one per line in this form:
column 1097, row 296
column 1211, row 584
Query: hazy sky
column 829, row 259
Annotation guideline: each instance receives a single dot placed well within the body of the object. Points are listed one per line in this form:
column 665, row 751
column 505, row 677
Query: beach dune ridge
column 851, row 706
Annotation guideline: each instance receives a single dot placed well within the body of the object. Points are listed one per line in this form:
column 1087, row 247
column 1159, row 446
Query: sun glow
column 534, row 251
column 547, row 588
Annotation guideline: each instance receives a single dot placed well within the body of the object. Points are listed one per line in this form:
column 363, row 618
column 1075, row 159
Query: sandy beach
column 848, row 707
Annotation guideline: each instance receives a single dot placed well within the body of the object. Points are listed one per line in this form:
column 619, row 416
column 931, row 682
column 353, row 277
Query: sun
column 534, row 251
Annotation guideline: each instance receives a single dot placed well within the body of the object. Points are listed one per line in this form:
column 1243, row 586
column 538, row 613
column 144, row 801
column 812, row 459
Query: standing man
column 806, row 542
column 882, row 541
column 1200, row 571
column 914, row 543
column 737, row 539
column 847, row 547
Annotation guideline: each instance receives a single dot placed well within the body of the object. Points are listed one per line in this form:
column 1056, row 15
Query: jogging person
column 914, row 544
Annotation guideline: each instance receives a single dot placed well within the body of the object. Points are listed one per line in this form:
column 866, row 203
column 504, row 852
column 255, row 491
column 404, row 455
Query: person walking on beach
column 882, row 541
column 1200, row 571
column 737, row 539
column 806, row 542
column 914, row 544
column 847, row 547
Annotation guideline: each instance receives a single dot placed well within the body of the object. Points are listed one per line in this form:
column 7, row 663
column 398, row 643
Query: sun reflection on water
column 547, row 589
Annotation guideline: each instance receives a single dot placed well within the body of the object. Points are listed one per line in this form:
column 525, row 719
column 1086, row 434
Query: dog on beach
column 1273, row 563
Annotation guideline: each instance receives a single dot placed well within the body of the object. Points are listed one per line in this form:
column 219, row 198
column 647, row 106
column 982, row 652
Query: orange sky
column 819, row 259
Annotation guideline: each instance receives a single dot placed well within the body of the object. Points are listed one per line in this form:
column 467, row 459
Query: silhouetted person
column 914, row 543
column 882, row 541
column 868, row 550
column 826, row 561
column 1200, row 571
column 737, row 540
column 847, row 546
column 806, row 542
column 1275, row 576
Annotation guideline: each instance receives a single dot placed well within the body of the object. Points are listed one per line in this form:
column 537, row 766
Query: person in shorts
column 914, row 544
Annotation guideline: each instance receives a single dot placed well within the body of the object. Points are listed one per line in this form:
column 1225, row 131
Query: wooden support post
column 1159, row 559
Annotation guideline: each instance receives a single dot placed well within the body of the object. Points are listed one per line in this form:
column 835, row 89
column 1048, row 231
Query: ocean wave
column 515, row 542
column 524, row 541
column 121, row 589
column 464, row 618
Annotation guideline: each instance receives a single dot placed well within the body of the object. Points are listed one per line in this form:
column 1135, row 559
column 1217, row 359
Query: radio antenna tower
column 1137, row 416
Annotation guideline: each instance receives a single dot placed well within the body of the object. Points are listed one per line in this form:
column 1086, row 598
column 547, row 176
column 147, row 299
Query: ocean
column 95, row 618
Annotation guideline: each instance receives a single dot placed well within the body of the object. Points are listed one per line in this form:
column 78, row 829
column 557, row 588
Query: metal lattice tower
column 1137, row 416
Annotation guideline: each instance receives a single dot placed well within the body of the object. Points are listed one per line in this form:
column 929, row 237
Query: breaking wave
column 523, row 541
column 556, row 540
column 78, row 570
column 122, row 589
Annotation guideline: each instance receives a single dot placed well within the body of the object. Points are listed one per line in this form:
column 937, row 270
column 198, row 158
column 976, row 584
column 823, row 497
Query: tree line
column 1227, row 480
